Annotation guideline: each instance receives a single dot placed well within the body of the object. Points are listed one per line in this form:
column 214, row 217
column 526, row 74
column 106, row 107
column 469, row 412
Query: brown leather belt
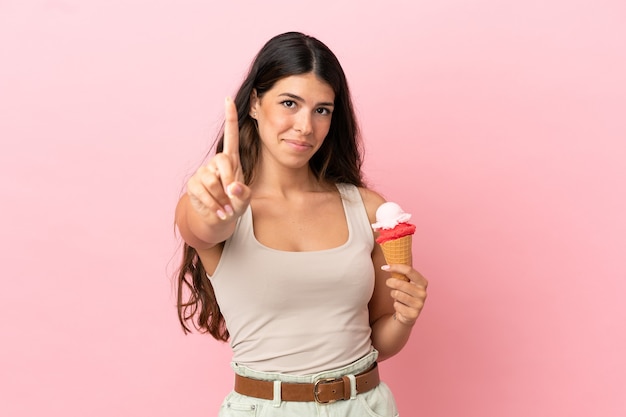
column 325, row 390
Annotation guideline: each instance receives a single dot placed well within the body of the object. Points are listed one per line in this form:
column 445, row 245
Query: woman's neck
column 285, row 182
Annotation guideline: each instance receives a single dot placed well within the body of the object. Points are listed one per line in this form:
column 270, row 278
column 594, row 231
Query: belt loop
column 352, row 386
column 277, row 394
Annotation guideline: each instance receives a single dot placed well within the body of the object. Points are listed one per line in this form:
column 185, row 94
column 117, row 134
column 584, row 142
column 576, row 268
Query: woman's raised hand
column 217, row 190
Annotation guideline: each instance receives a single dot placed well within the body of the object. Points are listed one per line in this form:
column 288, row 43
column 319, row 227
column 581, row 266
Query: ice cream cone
column 398, row 251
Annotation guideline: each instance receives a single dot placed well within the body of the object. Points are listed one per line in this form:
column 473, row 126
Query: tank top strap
column 243, row 235
column 356, row 214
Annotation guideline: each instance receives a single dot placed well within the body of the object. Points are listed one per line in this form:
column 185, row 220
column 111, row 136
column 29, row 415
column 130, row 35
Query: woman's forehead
column 307, row 86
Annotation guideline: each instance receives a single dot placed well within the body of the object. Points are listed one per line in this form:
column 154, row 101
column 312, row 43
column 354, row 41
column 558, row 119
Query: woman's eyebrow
column 300, row 99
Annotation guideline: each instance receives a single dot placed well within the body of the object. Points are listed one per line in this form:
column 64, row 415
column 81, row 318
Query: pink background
column 500, row 125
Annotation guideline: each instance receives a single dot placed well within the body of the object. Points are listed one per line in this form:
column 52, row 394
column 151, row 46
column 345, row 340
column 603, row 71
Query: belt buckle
column 316, row 392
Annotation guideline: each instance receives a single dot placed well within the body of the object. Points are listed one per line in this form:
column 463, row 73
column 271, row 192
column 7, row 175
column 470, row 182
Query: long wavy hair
column 338, row 160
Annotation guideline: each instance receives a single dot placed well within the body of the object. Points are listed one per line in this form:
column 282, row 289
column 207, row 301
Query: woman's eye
column 323, row 110
column 290, row 104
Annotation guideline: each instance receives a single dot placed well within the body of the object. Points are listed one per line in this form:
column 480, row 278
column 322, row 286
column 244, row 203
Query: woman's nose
column 303, row 123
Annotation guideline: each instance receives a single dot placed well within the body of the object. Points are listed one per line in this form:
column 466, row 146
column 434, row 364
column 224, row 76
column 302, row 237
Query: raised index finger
column 231, row 129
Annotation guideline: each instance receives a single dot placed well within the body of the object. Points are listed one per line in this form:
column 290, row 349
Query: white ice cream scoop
column 388, row 216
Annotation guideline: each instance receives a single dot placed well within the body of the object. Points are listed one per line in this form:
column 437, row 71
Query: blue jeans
column 377, row 402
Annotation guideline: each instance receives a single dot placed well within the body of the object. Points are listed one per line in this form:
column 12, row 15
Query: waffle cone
column 398, row 251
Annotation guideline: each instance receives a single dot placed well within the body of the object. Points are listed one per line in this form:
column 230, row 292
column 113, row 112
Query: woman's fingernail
column 385, row 267
column 221, row 214
column 229, row 209
column 233, row 190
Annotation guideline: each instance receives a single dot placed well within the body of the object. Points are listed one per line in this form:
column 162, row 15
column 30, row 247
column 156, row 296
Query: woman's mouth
column 298, row 145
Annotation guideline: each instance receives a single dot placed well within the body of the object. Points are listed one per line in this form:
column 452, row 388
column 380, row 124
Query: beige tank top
column 298, row 312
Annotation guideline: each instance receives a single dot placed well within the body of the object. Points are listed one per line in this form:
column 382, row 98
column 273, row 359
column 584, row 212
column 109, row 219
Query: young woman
column 280, row 257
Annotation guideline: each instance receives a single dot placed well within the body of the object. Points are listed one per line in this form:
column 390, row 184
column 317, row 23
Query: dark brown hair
column 338, row 160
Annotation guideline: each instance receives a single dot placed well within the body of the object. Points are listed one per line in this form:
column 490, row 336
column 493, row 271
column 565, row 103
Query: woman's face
column 294, row 118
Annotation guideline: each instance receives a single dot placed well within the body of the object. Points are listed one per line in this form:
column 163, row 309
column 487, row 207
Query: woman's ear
column 254, row 103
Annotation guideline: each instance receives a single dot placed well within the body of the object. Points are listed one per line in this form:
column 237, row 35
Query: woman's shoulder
column 372, row 200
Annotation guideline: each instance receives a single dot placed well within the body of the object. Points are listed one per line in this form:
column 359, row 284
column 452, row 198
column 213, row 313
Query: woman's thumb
column 239, row 195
